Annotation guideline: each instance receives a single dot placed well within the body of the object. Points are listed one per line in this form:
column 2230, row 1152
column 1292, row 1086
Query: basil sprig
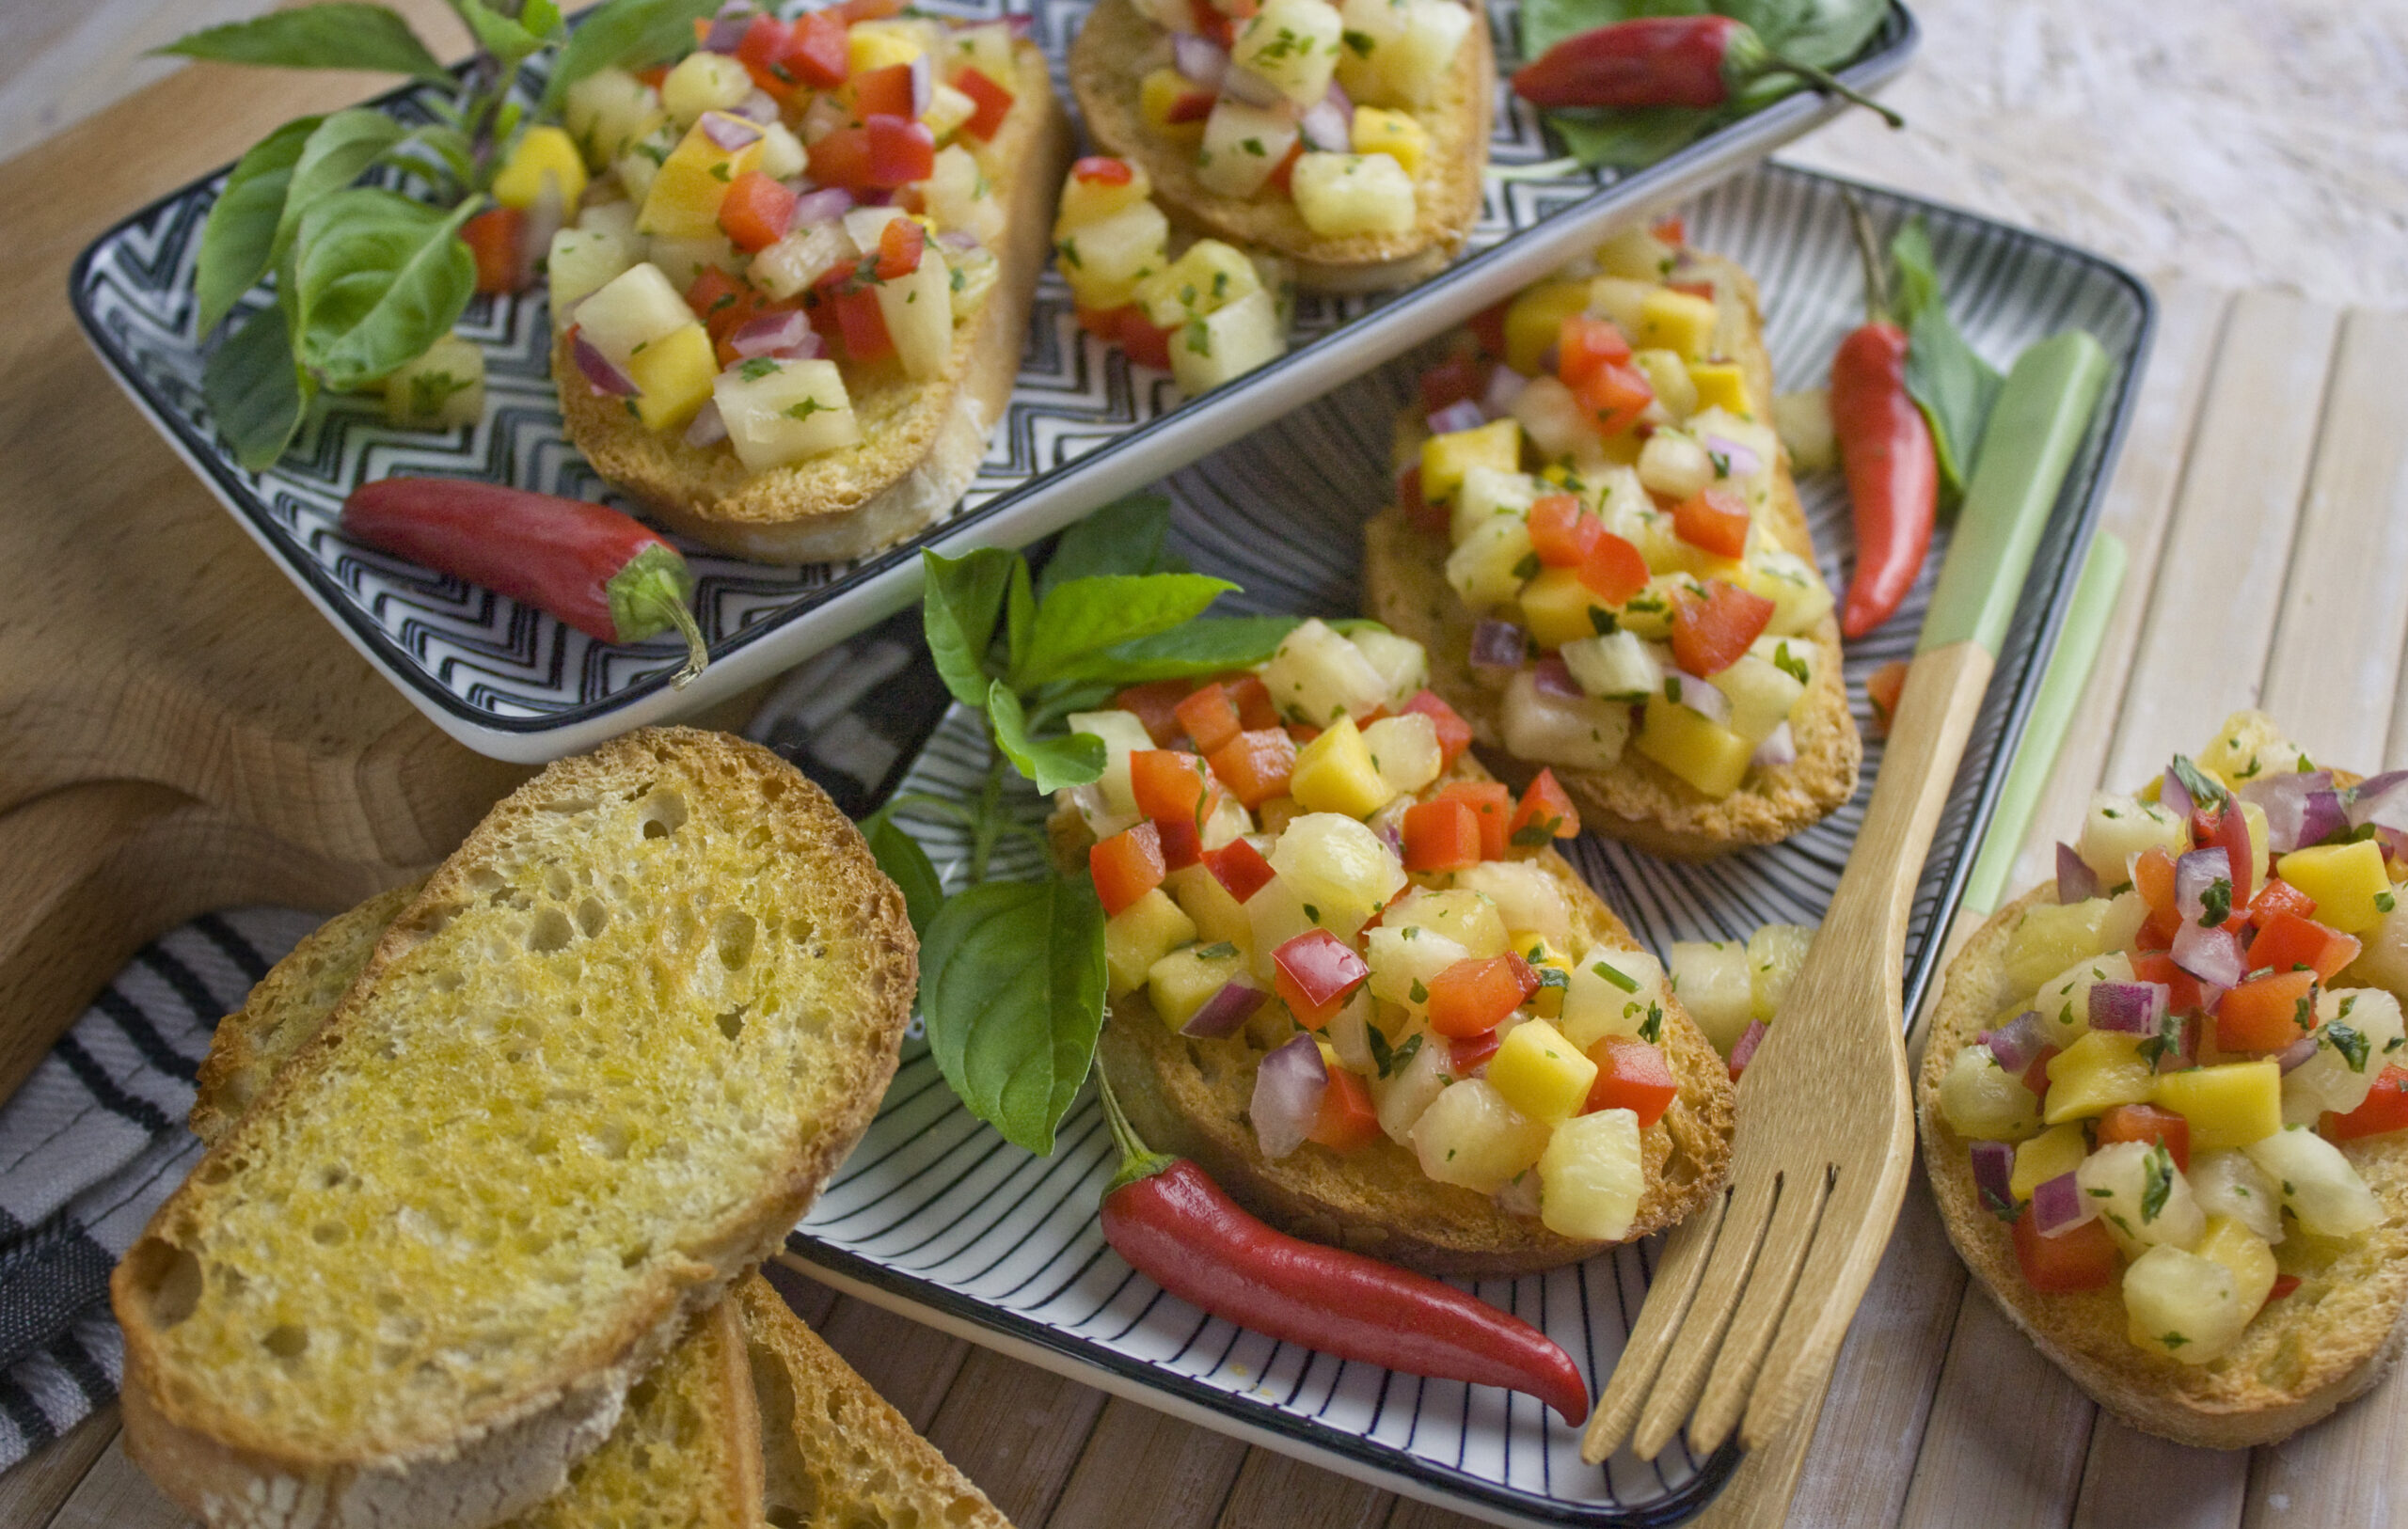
column 1949, row 382
column 1012, row 972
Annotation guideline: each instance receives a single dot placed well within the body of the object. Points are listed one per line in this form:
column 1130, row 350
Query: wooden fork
column 1756, row 1290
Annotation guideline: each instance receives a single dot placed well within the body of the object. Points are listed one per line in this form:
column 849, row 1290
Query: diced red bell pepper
column 1692, row 288
column 859, row 321
column 1418, row 512
column 1710, row 634
column 652, row 75
column 1493, row 803
column 1561, row 532
column 1127, row 866
column 1454, row 734
column 1170, row 783
column 2287, row 940
column 841, row 159
column 1633, row 1076
column 2147, row 1123
column 2232, row 834
column 719, row 299
column 1545, row 813
column 1613, row 570
column 1743, row 1051
column 1145, row 342
column 496, row 237
column 817, row 52
column 1240, row 868
column 1255, row 764
column 2036, row 1077
column 1156, row 703
column 901, row 150
column 1212, row 22
column 1883, row 687
column 1348, row 1119
column 1441, row 836
column 1474, row 994
column 2279, row 896
column 1315, row 973
column 1252, row 699
column 2082, row 1259
column 1614, row 396
column 763, row 52
column 993, row 101
column 865, row 10
column 1713, row 520
column 754, row 211
column 2283, row 1285
column 1182, row 840
column 1190, row 106
column 1452, row 381
column 1101, row 170
column 900, row 245
column 1584, row 345
column 1466, row 1056
column 1210, row 717
column 1673, row 231
column 2385, row 1109
column 2153, row 878
column 1487, row 326
column 2182, row 993
column 1283, row 173
column 2267, row 1014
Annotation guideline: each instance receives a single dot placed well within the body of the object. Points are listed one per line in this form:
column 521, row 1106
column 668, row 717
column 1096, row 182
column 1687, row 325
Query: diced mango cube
column 1219, row 917
column 1593, row 1175
column 2229, row 1106
column 2100, row 1070
column 1379, row 130
column 1137, row 937
column 1556, row 606
column 1707, row 755
column 1539, row 1073
column 542, row 151
column 672, row 377
column 683, row 201
column 1334, row 773
column 2345, row 880
column 2054, row 1153
column 1535, row 323
column 1721, row 384
column 1157, row 93
column 1542, row 957
column 1676, row 322
column 1446, row 458
column 2244, row 1253
column 869, row 46
column 1185, row 980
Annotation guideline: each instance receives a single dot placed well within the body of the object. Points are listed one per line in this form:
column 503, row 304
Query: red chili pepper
column 599, row 570
column 1665, row 61
column 1173, row 1223
column 1885, row 446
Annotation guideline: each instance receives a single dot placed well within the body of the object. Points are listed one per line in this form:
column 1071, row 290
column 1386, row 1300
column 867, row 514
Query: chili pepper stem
column 1137, row 1160
column 649, row 595
column 1868, row 250
column 1824, row 80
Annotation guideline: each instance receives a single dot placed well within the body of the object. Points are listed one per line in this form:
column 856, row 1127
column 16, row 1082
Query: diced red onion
column 1743, row 1051
column 961, row 239
column 2299, row 809
column 1225, row 1011
column 1326, row 127
column 765, row 333
column 1778, row 749
column 1553, row 677
column 2059, row 1206
column 727, row 33
column 1994, row 1174
column 730, row 132
column 2296, row 1052
column 2382, row 801
column 2209, row 955
column 2018, row 1043
column 2127, row 1008
column 1249, row 89
column 2076, row 881
column 1743, row 461
column 1023, row 24
column 808, row 346
column 1498, row 646
column 1344, row 102
column 600, row 371
column 2394, row 844
column 707, row 428
column 1200, row 58
column 924, row 84
column 2181, row 1038
column 760, row 106
column 2193, row 874
column 1505, row 386
column 1288, row 1089
column 1697, row 694
column 2174, row 794
column 1461, row 415
column 825, row 205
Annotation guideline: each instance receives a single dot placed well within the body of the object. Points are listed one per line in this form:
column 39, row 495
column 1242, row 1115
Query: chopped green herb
column 1615, row 975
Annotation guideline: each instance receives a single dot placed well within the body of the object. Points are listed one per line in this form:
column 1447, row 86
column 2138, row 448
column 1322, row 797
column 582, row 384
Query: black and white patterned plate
column 1082, row 427
column 936, row 1216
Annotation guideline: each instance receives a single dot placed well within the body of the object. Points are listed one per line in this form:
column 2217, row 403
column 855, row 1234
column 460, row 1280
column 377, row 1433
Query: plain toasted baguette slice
column 921, row 442
column 1117, row 48
column 2325, row 1343
column 598, row 1068
column 1405, row 585
column 1191, row 1096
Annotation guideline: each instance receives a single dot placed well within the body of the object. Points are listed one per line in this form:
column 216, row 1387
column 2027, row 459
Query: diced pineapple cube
column 1719, row 385
column 1669, row 379
column 1243, row 145
column 2357, row 1033
column 2247, row 748
column 1556, row 607
column 2182, row 1306
column 2142, row 1195
column 1556, row 423
column 683, row 200
column 2232, row 1243
column 2348, row 882
column 918, row 311
column 1467, row 917
column 1635, row 253
column 704, row 81
column 1707, row 755
column 608, row 111
column 1318, row 675
column 1336, row 774
column 2118, row 827
column 1489, row 567
column 674, row 376
column 1799, row 595
column 1220, row 919
column 1470, row 1135
column 2318, row 1184
column 1403, row 961
column 1715, row 983
column 1761, row 696
column 1185, row 980
column 1486, row 493
column 2054, row 1153
column 1157, row 93
column 1123, row 734
column 2100, row 1070
column 948, row 109
column 1342, row 195
column 2253, row 818
column 987, row 49
column 1649, row 614
column 2063, row 1002
column 1105, row 261
column 1534, row 324
column 1982, row 1101
column 1378, row 130
column 1775, row 952
column 684, row 260
column 1342, row 870
column 1404, row 750
column 870, row 45
column 582, row 261
column 443, row 389
column 959, row 196
column 1208, row 277
column 2227, row 1106
column 1402, row 663
column 1616, row 665
column 1592, row 1175
column 781, row 412
column 1546, row 958
column 1676, row 322
column 1228, row 342
column 1402, row 1096
column 1539, row 1073
column 1578, row 734
column 540, row 152
column 1140, row 935
column 1293, row 44
column 635, row 307
column 1613, row 992
column 2052, row 938
column 1091, row 201
column 1415, row 62
column 1525, row 895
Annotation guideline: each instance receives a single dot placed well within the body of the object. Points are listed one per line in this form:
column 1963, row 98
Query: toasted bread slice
column 921, row 442
column 1117, row 48
column 599, row 1065
column 2328, row 1341
column 1405, row 585
column 1191, row 1096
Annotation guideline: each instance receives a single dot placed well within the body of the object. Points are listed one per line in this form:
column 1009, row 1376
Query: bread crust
column 1189, row 1097
column 500, row 1454
column 921, row 442
column 2327, row 1342
column 1117, row 48
column 1639, row 801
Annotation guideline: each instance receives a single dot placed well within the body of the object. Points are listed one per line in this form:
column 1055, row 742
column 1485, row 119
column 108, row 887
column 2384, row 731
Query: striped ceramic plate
column 936, row 1216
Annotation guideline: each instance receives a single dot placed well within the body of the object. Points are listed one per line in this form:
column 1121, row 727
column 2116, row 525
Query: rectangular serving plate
column 936, row 1217
column 1083, row 428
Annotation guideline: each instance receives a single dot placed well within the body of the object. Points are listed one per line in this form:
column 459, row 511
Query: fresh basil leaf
column 343, row 146
column 1122, row 538
column 1020, row 617
column 1918, row 270
column 1630, row 140
column 339, row 35
column 1207, row 645
column 1822, row 34
column 436, row 152
column 908, row 866
column 255, row 393
column 1953, row 385
column 1011, row 987
column 510, row 43
column 629, row 34
column 1072, row 759
column 1547, row 23
column 960, row 600
column 238, row 242
column 1080, row 619
column 376, row 278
